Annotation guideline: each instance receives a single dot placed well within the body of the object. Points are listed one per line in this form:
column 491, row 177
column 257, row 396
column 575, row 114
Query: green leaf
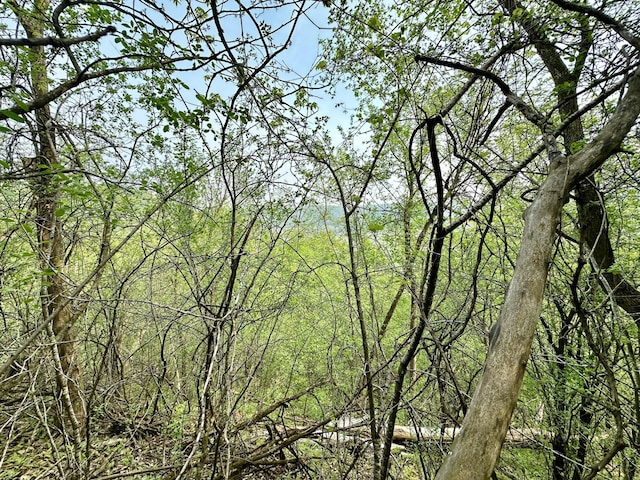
column 615, row 269
column 12, row 115
column 374, row 22
column 518, row 12
column 375, row 227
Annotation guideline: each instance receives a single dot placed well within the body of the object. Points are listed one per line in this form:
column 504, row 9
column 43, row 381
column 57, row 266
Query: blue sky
column 301, row 56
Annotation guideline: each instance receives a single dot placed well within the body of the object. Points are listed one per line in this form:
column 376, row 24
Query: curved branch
column 83, row 77
column 598, row 14
column 56, row 41
column 529, row 113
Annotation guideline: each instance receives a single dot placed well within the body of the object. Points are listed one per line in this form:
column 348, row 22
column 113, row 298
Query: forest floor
column 161, row 457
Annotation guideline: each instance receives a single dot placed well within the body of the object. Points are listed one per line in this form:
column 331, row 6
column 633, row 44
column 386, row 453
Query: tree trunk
column 50, row 245
column 592, row 216
column 594, row 229
column 476, row 449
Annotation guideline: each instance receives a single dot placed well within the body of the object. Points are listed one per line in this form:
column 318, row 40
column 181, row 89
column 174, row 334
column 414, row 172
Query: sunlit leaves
column 375, row 227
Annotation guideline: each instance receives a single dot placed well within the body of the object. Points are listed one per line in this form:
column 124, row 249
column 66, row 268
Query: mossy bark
column 50, row 247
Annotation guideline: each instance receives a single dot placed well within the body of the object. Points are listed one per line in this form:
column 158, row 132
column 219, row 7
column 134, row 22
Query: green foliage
column 222, row 250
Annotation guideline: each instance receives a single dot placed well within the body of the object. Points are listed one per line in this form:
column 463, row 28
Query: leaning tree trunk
column 45, row 188
column 594, row 228
column 476, row 449
column 592, row 217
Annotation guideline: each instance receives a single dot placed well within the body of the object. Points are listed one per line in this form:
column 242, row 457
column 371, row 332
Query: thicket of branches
column 201, row 279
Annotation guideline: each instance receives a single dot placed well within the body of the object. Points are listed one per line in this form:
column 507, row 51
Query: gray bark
column 476, row 449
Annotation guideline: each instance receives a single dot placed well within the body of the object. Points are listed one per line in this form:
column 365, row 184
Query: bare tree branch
column 56, row 41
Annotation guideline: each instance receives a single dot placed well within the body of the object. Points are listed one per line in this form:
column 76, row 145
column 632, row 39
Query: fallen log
column 355, row 430
column 514, row 436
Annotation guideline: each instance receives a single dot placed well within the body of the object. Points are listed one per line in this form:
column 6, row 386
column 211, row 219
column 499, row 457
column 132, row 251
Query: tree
column 57, row 312
column 217, row 269
column 130, row 61
column 485, row 47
